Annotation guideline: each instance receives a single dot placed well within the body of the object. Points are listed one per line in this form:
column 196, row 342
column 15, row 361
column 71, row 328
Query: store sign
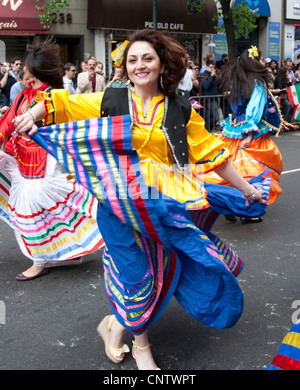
column 20, row 17
column 274, row 41
column 292, row 10
column 166, row 26
column 172, row 16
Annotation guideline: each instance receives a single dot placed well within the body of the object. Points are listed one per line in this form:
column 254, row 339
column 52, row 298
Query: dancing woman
column 54, row 218
column 157, row 249
column 255, row 112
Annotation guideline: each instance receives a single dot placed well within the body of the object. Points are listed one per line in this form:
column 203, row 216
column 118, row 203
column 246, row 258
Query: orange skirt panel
column 262, row 154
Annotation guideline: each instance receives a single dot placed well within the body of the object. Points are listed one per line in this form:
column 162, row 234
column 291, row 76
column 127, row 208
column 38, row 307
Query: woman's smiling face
column 143, row 65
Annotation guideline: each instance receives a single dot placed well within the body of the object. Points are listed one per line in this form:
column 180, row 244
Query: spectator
column 15, row 64
column 289, row 66
column 70, row 74
column 268, row 61
column 99, row 69
column 11, row 76
column 186, row 84
column 282, row 82
column 282, row 62
column 18, row 87
column 118, row 80
column 297, row 71
column 208, row 57
column 210, row 86
column 271, row 83
column 223, row 61
column 83, row 66
column 90, row 81
column 4, row 103
column 274, row 67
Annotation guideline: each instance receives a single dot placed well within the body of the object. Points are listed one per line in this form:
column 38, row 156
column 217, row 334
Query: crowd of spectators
column 199, row 81
column 90, row 78
column 206, row 81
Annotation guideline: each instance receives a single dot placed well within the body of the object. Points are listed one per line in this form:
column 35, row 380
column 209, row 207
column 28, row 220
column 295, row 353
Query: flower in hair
column 118, row 54
column 253, row 52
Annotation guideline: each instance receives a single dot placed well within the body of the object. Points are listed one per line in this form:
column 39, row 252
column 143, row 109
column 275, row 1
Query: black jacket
column 177, row 114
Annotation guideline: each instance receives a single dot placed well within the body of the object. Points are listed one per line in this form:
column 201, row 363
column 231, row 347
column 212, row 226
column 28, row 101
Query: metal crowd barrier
column 214, row 109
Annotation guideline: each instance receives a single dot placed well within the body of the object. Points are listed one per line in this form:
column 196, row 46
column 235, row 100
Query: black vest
column 176, row 116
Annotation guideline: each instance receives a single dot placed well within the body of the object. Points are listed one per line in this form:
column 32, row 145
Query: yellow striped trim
column 292, row 339
column 3, row 201
column 65, row 240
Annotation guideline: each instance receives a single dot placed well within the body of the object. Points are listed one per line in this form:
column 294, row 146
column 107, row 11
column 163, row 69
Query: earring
column 161, row 81
column 127, row 82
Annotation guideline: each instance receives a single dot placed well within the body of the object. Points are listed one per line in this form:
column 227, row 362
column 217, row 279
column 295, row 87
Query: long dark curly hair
column 43, row 62
column 241, row 75
column 171, row 54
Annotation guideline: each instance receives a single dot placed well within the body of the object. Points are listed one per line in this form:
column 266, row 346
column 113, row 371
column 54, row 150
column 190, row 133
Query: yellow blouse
column 206, row 152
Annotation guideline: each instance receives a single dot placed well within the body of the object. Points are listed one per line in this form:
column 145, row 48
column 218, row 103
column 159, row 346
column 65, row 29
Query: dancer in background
column 255, row 112
column 53, row 217
column 155, row 245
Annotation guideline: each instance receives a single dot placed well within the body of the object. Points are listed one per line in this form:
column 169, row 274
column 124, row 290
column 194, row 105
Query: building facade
column 94, row 27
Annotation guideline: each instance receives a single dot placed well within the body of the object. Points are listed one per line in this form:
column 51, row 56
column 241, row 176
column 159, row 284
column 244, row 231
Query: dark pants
column 3, row 100
column 287, row 110
column 211, row 115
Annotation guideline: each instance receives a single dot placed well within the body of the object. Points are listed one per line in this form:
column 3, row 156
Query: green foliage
column 244, row 20
column 194, row 6
column 49, row 10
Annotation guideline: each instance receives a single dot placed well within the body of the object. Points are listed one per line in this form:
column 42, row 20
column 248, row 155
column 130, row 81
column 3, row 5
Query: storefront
column 291, row 35
column 262, row 9
column 19, row 23
column 113, row 20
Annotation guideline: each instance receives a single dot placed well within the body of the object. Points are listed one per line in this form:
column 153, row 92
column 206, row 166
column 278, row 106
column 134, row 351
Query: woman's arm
column 64, row 107
column 26, row 121
column 228, row 173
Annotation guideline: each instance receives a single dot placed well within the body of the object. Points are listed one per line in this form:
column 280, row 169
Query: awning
column 261, row 7
column 20, row 17
column 172, row 16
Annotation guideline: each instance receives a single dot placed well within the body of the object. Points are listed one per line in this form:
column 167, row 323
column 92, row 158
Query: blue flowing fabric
column 155, row 247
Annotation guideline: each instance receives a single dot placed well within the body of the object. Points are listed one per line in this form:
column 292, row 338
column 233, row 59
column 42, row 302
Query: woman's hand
column 253, row 194
column 24, row 123
column 229, row 173
column 247, row 141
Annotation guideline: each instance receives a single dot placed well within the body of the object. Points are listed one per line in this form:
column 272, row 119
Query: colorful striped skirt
column 154, row 247
column 288, row 357
column 54, row 218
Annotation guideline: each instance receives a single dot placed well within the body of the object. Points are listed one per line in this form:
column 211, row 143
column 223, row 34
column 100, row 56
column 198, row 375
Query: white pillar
column 99, row 37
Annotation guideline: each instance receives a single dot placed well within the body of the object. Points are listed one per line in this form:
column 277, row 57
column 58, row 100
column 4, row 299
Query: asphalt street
column 50, row 323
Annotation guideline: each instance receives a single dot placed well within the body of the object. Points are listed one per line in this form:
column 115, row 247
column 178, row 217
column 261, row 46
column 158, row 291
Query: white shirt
column 186, row 84
column 68, row 84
